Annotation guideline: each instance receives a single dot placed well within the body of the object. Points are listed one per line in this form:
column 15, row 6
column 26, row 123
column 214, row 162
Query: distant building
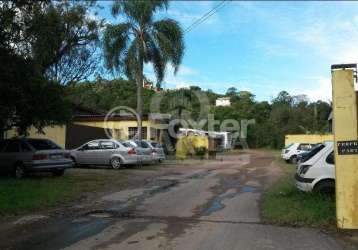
column 223, row 101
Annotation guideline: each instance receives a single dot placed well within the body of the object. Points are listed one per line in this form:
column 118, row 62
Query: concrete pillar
column 345, row 129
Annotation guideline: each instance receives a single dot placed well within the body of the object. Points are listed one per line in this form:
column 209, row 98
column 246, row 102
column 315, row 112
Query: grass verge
column 284, row 204
column 40, row 192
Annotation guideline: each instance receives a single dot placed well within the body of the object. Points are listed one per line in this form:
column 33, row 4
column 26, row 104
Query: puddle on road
column 62, row 234
column 248, row 189
column 217, row 203
column 100, row 215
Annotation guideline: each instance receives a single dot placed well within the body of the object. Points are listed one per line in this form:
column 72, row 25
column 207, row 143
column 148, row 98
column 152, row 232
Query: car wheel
column 115, row 163
column 326, row 187
column 293, row 159
column 59, row 172
column 19, row 171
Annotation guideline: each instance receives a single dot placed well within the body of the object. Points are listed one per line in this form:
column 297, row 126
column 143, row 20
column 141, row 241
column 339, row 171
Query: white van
column 317, row 172
column 290, row 153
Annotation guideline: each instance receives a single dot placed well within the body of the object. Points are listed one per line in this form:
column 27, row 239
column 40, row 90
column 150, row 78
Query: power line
column 204, row 17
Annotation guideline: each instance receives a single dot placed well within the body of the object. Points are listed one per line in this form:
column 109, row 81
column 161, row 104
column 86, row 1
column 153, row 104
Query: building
column 223, row 101
column 88, row 124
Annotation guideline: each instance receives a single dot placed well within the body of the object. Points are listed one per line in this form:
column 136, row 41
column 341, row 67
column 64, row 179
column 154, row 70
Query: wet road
column 208, row 206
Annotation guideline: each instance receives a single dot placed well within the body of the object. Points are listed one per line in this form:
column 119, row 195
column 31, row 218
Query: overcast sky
column 263, row 47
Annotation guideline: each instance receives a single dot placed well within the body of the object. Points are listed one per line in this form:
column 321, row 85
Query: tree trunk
column 140, row 96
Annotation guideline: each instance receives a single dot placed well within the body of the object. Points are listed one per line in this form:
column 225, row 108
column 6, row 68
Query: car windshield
column 43, row 144
column 313, row 152
column 289, row 145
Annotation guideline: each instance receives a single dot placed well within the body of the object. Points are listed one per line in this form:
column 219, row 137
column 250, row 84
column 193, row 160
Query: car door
column 107, row 150
column 146, row 150
column 88, row 154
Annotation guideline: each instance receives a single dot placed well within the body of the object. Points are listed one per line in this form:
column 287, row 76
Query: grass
column 284, row 204
column 41, row 192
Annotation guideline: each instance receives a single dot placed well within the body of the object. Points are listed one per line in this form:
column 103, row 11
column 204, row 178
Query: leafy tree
column 42, row 44
column 141, row 39
column 232, row 91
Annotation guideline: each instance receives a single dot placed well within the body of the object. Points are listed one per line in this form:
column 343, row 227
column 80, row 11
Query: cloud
column 334, row 39
column 323, row 91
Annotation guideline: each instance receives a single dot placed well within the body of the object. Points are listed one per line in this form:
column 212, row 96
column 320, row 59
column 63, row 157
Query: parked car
column 291, row 152
column 317, row 172
column 143, row 150
column 308, row 154
column 25, row 155
column 158, row 154
column 105, row 152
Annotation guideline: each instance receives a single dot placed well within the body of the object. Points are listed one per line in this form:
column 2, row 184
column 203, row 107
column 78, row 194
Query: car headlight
column 304, row 168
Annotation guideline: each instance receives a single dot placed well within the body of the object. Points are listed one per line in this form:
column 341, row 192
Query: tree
column 42, row 44
column 139, row 40
column 232, row 91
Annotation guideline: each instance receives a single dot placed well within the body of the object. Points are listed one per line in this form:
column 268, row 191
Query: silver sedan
column 105, row 152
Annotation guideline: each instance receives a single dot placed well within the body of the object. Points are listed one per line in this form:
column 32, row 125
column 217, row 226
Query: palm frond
column 141, row 12
column 155, row 56
column 169, row 37
column 116, row 38
column 131, row 60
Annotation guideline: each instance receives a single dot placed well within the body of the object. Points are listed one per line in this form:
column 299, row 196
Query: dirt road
column 208, row 206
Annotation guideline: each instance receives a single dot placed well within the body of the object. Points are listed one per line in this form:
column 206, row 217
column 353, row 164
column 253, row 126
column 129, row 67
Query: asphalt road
column 209, row 206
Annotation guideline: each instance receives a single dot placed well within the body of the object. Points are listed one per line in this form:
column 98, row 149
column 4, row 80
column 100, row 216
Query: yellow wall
column 121, row 126
column 307, row 138
column 345, row 129
column 54, row 133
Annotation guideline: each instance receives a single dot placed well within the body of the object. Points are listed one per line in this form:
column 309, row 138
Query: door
column 146, row 150
column 88, row 153
column 107, row 150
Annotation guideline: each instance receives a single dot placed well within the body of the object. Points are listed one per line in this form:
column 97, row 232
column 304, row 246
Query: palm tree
column 140, row 40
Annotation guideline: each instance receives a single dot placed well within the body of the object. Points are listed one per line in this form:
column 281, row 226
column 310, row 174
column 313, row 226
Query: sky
column 262, row 47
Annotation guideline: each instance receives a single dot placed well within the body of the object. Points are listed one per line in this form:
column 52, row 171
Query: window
column 142, row 144
column 156, row 145
column 39, row 144
column 107, row 145
column 12, row 147
column 127, row 145
column 25, row 147
column 330, row 158
column 304, row 147
column 313, row 152
column 132, row 131
column 92, row 146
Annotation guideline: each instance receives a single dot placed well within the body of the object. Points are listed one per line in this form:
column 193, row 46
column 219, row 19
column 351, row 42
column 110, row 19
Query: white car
column 317, row 173
column 291, row 152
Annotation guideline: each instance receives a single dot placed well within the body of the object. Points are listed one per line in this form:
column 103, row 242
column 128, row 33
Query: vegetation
column 285, row 114
column 43, row 46
column 284, row 204
column 36, row 192
column 141, row 40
